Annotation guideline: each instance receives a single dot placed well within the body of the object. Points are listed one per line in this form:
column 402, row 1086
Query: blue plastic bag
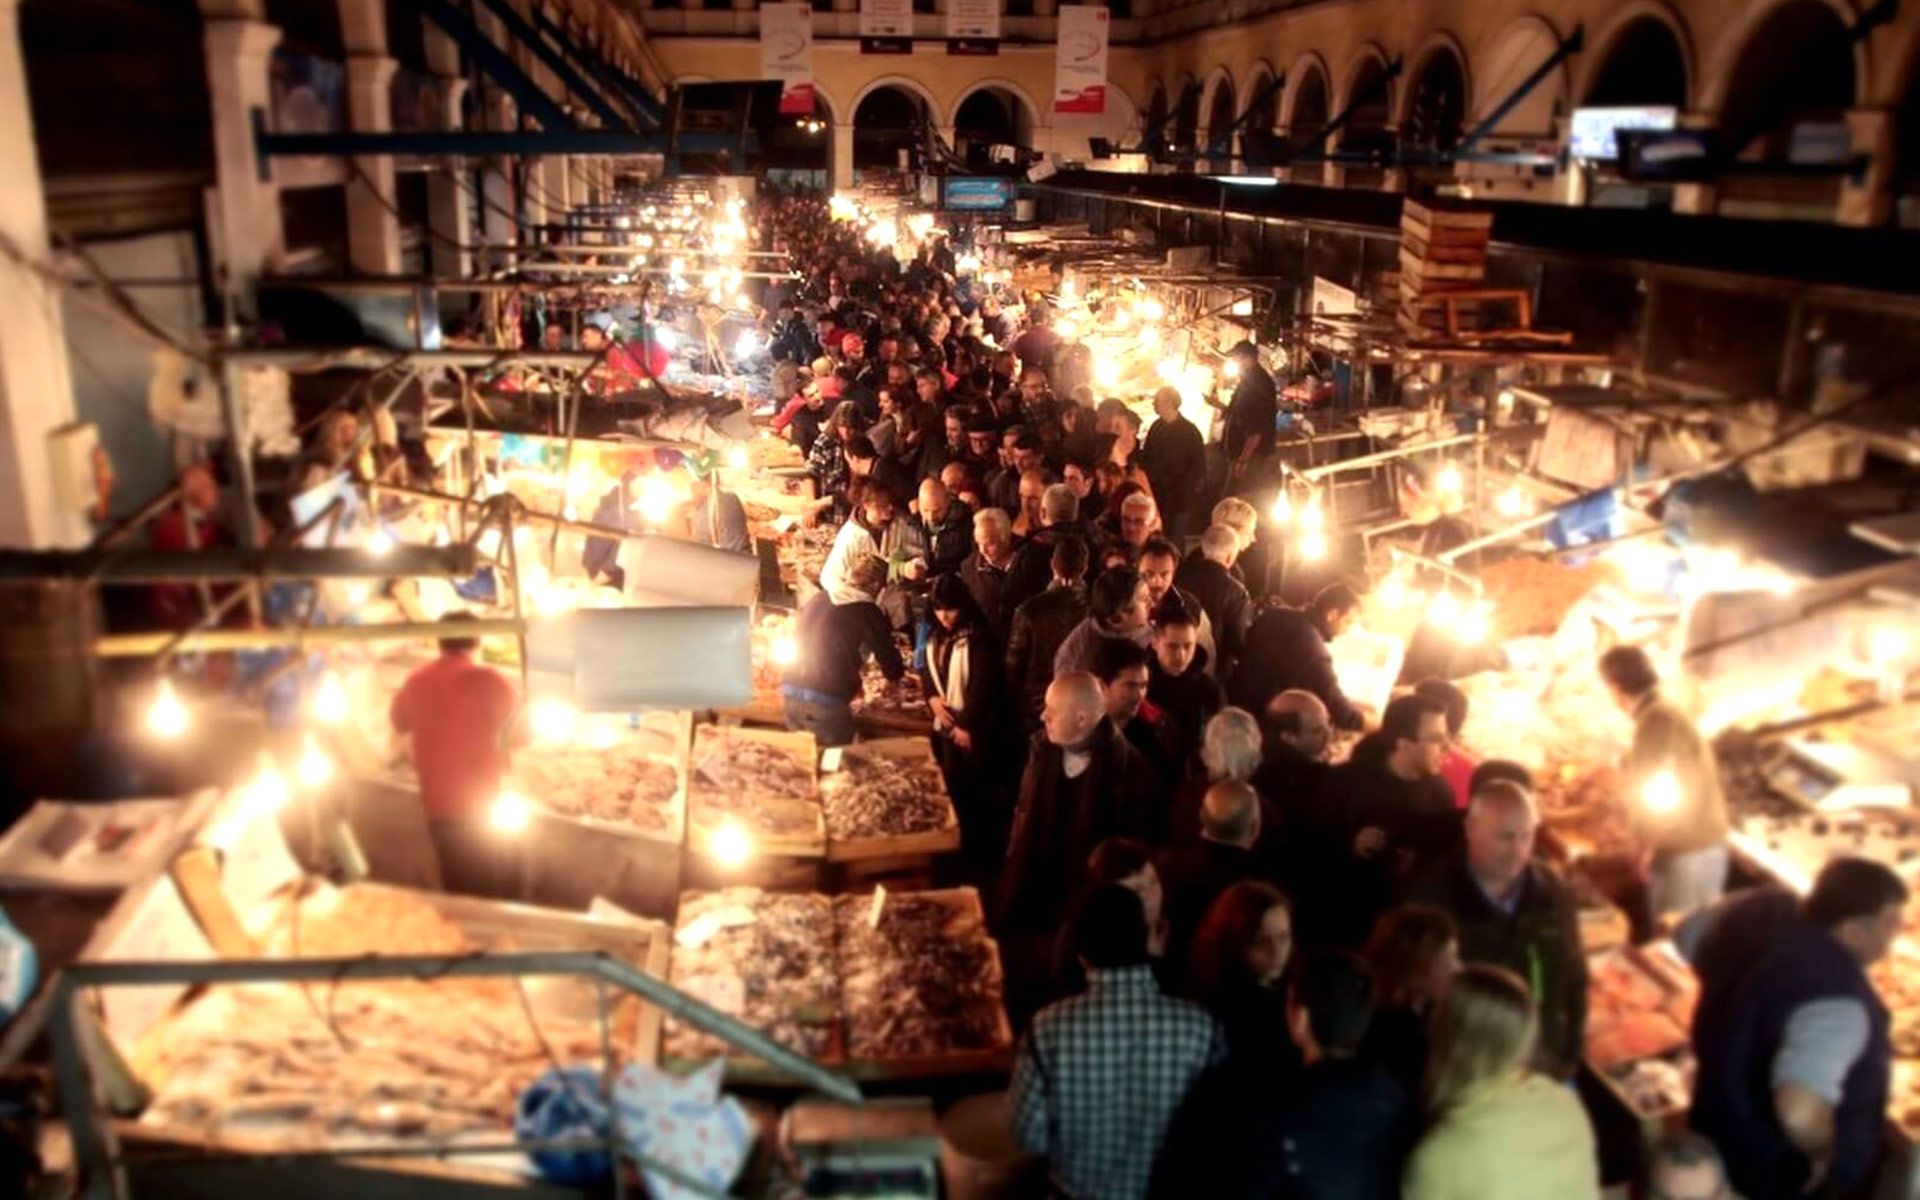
column 565, row 1104
column 19, row 969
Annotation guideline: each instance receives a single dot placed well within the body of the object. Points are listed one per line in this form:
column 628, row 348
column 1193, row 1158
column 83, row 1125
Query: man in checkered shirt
column 1101, row 1075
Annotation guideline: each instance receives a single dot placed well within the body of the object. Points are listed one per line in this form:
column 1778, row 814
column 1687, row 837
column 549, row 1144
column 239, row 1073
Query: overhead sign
column 786, row 54
column 1080, row 68
column 886, row 26
column 973, row 26
column 977, row 194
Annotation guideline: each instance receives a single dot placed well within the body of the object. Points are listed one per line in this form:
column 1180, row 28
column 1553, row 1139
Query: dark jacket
column 1251, row 414
column 834, row 640
column 1287, row 648
column 1228, row 607
column 1032, row 569
column 1342, row 1131
column 1039, row 626
column 1733, row 1098
column 988, row 584
column 1192, row 876
column 1397, row 1040
column 1260, row 1049
column 1058, row 821
column 1174, row 457
column 895, row 479
column 1189, row 700
column 950, row 542
column 1540, row 943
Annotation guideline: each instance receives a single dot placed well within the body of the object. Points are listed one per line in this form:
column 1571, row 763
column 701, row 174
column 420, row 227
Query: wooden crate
column 703, row 817
column 907, row 847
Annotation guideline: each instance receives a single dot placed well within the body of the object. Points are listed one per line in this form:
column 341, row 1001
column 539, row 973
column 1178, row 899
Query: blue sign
column 978, row 194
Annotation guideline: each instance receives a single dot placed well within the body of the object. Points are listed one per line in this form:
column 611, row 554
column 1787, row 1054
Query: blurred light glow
column 510, row 813
column 167, row 718
column 730, row 845
column 314, row 768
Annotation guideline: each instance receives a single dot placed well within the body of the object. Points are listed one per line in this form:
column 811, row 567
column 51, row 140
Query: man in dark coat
column 1208, row 577
column 1033, row 565
column 986, row 570
column 1193, row 875
column 1287, row 648
column 1514, row 912
column 1175, row 459
column 1178, row 681
column 1251, row 416
column 1042, row 623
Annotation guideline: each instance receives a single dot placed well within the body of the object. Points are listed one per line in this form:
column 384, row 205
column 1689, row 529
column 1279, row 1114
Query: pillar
column 450, row 250
column 556, row 186
column 842, row 154
column 36, row 393
column 1696, row 199
column 1869, row 200
column 243, row 210
column 373, row 223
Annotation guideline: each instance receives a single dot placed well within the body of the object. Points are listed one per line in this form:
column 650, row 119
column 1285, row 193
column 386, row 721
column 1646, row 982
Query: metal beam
column 209, row 641
column 518, row 28
column 501, row 144
column 497, row 63
column 1273, row 85
column 371, row 358
column 141, row 565
column 1565, row 50
column 638, row 100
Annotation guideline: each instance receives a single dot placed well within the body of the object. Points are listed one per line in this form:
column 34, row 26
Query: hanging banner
column 973, row 26
column 786, row 54
column 1080, row 71
column 886, row 26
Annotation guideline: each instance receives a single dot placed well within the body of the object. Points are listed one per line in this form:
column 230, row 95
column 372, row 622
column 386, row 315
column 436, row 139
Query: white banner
column 1080, row 71
column 786, row 54
column 969, row 20
column 886, row 19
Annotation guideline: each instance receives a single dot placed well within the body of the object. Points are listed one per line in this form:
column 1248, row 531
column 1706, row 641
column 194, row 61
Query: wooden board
column 938, row 841
column 703, row 818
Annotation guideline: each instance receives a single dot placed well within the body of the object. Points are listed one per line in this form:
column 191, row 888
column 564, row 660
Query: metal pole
column 246, row 512
column 140, row 645
column 1314, row 474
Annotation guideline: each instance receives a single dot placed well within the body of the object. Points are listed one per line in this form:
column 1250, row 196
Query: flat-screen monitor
column 1592, row 136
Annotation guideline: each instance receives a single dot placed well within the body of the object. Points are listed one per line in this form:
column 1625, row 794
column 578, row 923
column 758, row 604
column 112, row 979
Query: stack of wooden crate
column 1443, row 251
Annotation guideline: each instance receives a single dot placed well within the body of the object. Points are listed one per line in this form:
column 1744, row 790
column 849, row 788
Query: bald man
column 1296, row 736
column 1514, row 911
column 940, row 533
column 1083, row 783
column 1194, row 875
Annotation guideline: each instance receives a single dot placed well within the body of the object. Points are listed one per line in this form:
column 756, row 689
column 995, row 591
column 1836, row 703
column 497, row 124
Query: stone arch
column 1771, row 28
column 1433, row 105
column 1186, row 119
column 904, row 83
column 1308, row 79
column 1624, row 59
column 1259, row 79
column 1219, row 110
column 884, row 117
column 1014, row 90
column 1371, row 125
column 987, row 113
column 1504, row 62
column 1438, row 47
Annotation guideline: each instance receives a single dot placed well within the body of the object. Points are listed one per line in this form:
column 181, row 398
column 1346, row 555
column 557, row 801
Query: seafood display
column 921, row 979
column 623, row 784
column 763, row 782
column 886, row 789
column 765, row 957
column 1532, row 597
column 901, row 703
column 1635, row 1008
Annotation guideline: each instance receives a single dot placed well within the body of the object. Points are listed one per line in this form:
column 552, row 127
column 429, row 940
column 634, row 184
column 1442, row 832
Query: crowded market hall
column 866, row 600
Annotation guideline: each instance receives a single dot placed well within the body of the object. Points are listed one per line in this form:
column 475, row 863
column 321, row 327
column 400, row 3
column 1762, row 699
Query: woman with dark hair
column 827, row 460
column 1414, row 954
column 1237, row 969
column 962, row 674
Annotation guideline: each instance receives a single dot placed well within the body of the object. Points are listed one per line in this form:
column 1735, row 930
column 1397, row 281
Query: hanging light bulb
column 1393, row 590
column 1152, row 310
column 786, row 651
column 1282, row 511
column 314, row 768
column 331, row 701
column 1475, row 623
column 167, row 718
column 1445, row 609
column 737, row 458
column 1448, row 480
column 1066, row 329
column 510, row 813
column 730, row 845
column 656, row 499
column 267, row 793
column 1512, row 502
column 379, row 542
column 552, row 720
column 1313, row 545
column 1661, row 792
column 1313, row 516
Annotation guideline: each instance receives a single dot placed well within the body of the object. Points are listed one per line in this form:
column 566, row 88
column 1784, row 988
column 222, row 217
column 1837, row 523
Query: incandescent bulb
column 1475, row 623
column 786, row 651
column 737, row 458
column 1231, row 368
column 1661, row 792
column 1313, row 545
column 744, row 346
column 379, row 542
column 1282, row 511
column 1393, row 590
column 1445, row 609
column 510, row 813
column 314, row 768
column 1511, row 503
column 552, row 719
column 730, row 845
column 1153, row 310
column 267, row 793
column 168, row 717
column 1448, row 480
column 1313, row 516
column 1066, row 329
column 330, row 700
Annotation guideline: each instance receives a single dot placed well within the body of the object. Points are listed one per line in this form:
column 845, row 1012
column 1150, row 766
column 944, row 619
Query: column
column 36, row 393
column 1696, row 199
column 842, row 153
column 1869, row 200
column 447, row 208
column 373, row 223
column 243, row 210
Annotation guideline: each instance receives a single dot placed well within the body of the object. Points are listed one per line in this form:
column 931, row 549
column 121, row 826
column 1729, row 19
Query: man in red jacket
column 459, row 720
